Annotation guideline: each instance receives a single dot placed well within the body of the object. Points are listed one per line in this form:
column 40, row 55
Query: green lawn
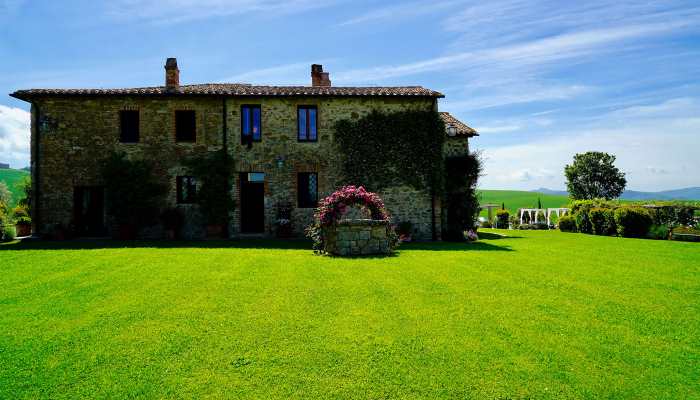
column 542, row 315
column 13, row 178
column 515, row 199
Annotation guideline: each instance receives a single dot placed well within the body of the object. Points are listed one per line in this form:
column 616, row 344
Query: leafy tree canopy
column 593, row 175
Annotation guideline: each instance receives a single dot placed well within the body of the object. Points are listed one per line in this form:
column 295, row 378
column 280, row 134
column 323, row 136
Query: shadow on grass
column 452, row 246
column 496, row 236
column 289, row 244
column 92, row 244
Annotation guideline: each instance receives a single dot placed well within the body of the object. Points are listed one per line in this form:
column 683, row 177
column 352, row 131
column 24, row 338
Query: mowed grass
column 515, row 199
column 542, row 315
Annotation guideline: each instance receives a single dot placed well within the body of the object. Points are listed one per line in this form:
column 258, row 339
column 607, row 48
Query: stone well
column 356, row 237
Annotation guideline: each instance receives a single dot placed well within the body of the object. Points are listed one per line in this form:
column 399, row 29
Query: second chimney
column 172, row 74
column 318, row 77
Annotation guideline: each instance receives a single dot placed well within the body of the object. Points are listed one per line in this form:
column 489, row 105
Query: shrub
column 514, row 221
column 658, row 232
column 134, row 191
column 602, row 221
column 632, row 221
column 502, row 218
column 8, row 233
column 533, row 227
column 583, row 222
column 567, row 223
column 21, row 215
column 405, row 228
column 486, row 224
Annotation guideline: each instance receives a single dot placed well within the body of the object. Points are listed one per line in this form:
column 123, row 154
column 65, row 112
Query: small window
column 129, row 126
column 186, row 190
column 307, row 121
column 185, row 126
column 307, row 189
column 250, row 123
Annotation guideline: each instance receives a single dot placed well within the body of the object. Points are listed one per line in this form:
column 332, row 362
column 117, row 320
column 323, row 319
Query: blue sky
column 540, row 80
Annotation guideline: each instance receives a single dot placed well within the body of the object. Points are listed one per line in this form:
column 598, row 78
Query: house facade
column 280, row 138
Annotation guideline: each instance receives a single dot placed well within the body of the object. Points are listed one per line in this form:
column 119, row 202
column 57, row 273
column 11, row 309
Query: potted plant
column 405, row 231
column 172, row 220
column 23, row 221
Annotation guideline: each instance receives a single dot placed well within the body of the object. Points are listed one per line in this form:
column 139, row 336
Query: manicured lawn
column 539, row 315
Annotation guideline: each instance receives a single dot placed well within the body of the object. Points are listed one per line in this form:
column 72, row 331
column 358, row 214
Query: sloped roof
column 462, row 128
column 236, row 89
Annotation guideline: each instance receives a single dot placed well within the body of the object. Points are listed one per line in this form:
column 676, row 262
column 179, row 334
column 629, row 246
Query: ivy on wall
column 134, row 190
column 391, row 149
column 212, row 171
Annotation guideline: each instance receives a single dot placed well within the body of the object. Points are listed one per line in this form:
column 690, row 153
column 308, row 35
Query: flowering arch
column 332, row 207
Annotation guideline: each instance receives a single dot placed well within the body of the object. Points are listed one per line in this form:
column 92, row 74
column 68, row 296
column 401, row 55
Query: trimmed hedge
column 633, row 221
column 567, row 223
column 602, row 221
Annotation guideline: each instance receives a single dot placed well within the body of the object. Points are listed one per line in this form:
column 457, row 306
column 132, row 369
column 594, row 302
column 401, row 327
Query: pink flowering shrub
column 332, row 208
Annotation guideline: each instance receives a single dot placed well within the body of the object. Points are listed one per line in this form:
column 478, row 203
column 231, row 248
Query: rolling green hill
column 515, row 199
column 13, row 179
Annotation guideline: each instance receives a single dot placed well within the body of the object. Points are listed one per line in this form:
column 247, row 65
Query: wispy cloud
column 498, row 128
column 174, row 11
column 14, row 136
column 518, row 95
column 536, row 52
column 287, row 74
column 401, row 11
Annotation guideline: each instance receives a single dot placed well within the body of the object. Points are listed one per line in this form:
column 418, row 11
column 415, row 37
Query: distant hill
column 13, row 179
column 692, row 193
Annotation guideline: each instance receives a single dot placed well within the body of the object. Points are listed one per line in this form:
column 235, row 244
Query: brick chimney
column 318, row 77
column 172, row 74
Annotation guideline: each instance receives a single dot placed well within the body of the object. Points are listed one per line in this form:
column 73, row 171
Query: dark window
column 186, row 190
column 251, row 127
column 307, row 121
column 129, row 126
column 185, row 126
column 307, row 189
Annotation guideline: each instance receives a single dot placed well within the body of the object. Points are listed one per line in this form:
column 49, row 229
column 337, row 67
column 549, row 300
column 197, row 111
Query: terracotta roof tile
column 235, row 89
column 462, row 128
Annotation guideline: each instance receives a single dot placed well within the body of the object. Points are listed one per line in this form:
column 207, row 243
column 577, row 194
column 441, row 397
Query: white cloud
column 288, row 74
column 517, row 95
column 537, row 52
column 655, row 152
column 14, row 136
column 401, row 11
column 498, row 128
column 174, row 11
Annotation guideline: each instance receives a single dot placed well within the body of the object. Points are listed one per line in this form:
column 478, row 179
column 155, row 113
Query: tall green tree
column 593, row 175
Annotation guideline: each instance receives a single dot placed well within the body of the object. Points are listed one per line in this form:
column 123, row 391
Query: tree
column 5, row 198
column 539, row 203
column 593, row 175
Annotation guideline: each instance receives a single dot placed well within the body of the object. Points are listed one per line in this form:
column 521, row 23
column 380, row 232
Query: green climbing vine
column 392, row 149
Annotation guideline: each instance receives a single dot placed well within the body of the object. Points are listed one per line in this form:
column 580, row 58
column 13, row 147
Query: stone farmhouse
column 280, row 138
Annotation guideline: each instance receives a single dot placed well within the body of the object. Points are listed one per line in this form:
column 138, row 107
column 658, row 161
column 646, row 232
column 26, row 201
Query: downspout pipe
column 224, row 147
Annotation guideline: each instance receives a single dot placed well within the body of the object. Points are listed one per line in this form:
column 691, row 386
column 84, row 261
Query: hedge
column 633, row 221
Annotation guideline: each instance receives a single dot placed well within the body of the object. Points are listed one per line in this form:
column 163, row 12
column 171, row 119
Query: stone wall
column 455, row 146
column 355, row 237
column 84, row 130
